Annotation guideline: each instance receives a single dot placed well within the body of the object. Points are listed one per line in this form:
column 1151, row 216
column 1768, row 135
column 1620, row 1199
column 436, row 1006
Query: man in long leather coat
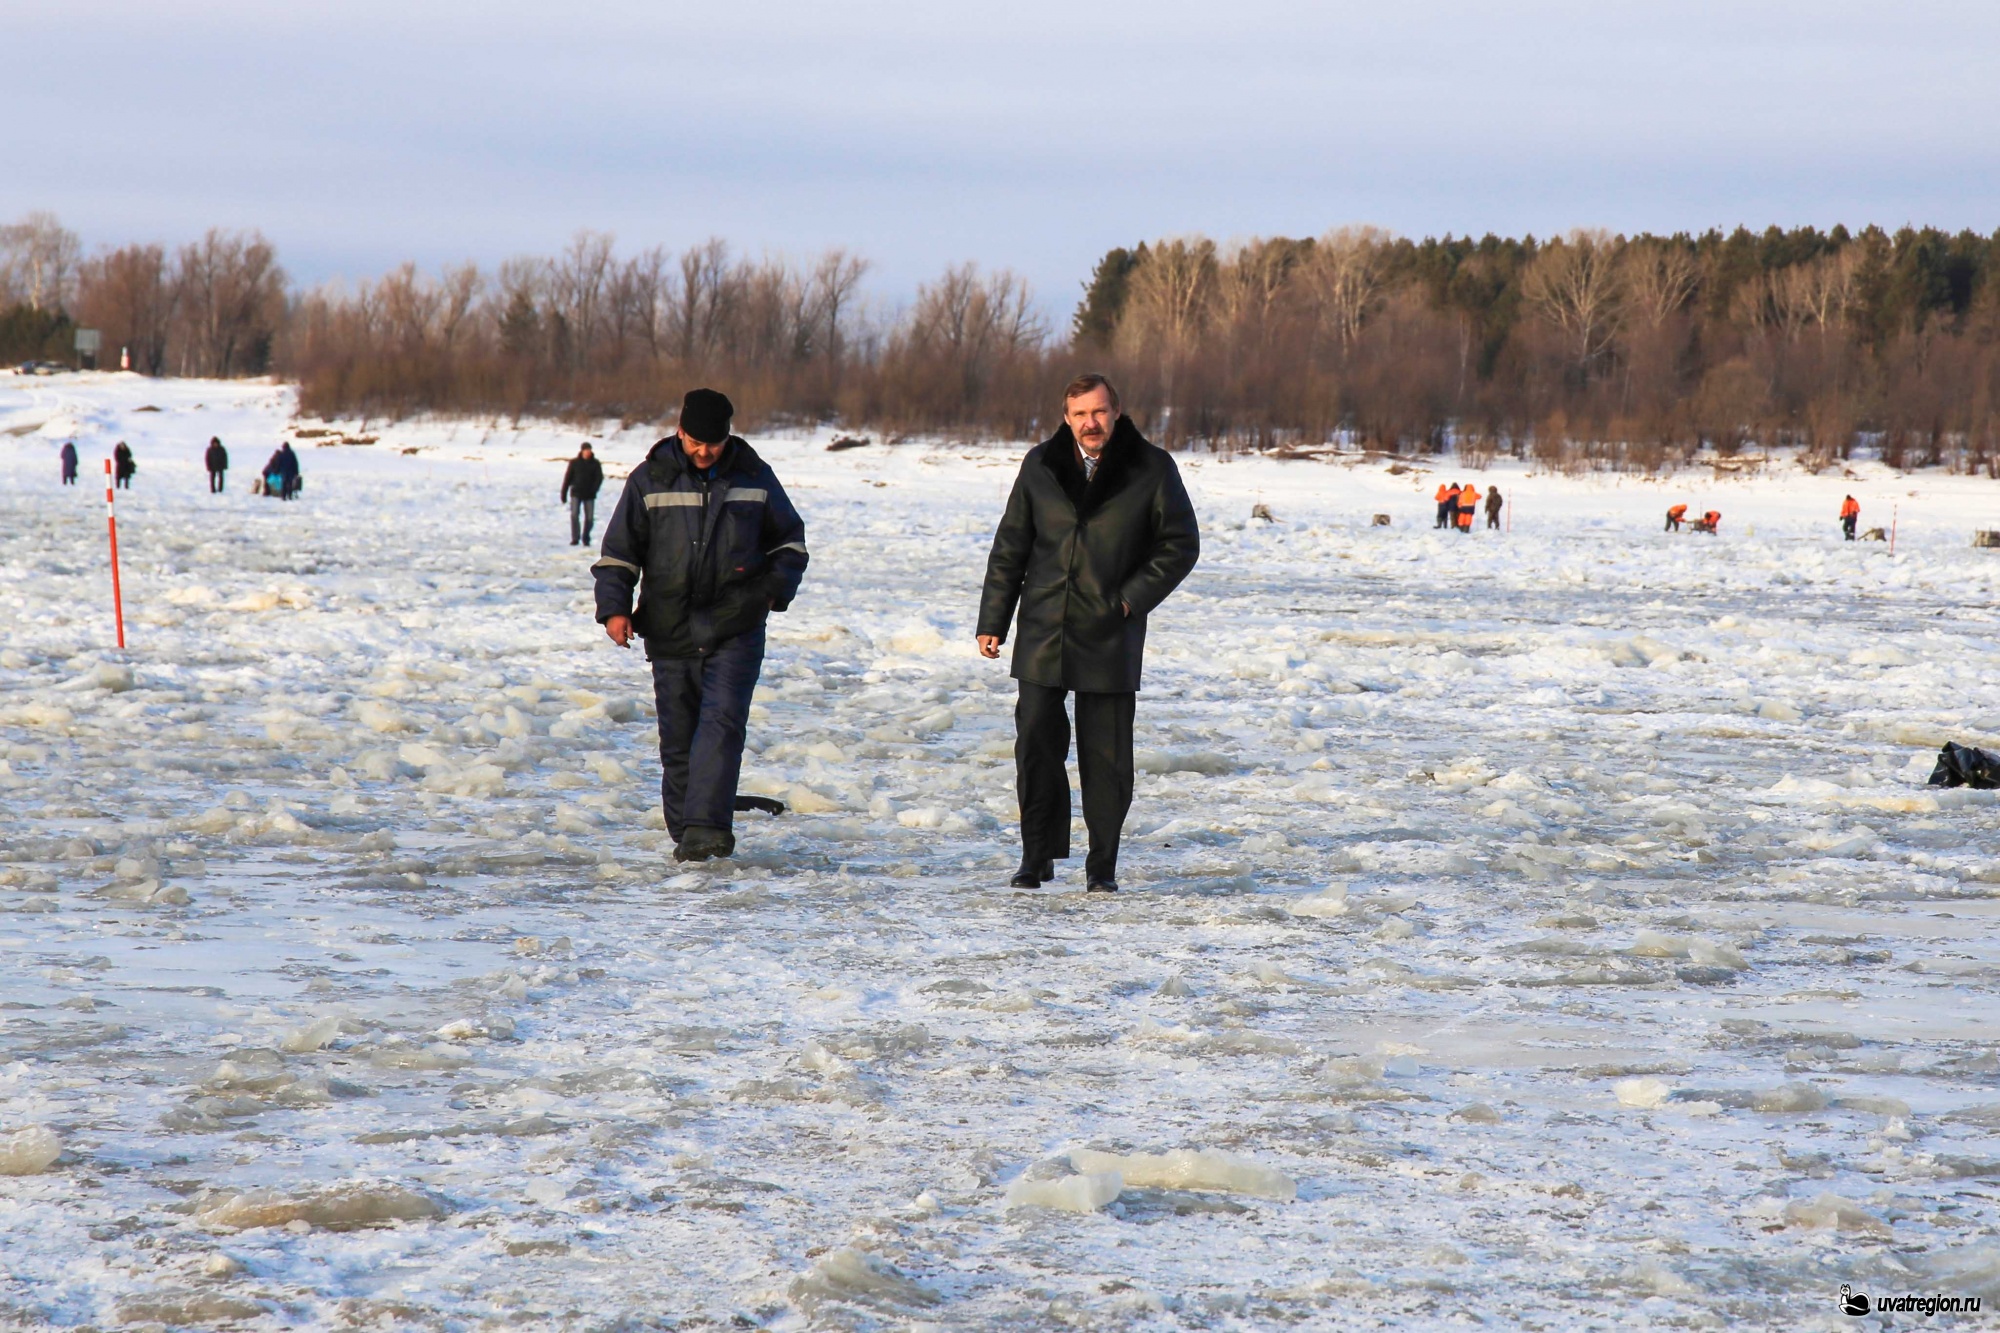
column 1097, row 532
column 720, row 547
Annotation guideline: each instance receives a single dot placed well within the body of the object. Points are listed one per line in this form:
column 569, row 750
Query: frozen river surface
column 1546, row 929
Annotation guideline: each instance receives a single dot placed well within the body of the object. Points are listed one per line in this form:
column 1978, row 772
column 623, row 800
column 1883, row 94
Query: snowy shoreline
column 1560, row 911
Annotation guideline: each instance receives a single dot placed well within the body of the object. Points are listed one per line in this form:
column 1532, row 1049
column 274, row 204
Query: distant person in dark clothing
column 126, row 465
column 217, row 459
column 281, row 473
column 1493, row 503
column 580, row 483
column 69, row 462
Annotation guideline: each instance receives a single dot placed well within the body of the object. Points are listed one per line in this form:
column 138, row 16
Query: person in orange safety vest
column 1850, row 514
column 1447, row 500
column 1468, row 502
column 1675, row 514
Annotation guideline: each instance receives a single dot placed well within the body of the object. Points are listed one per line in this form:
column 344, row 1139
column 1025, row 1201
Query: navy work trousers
column 1041, row 772
column 582, row 518
column 704, row 705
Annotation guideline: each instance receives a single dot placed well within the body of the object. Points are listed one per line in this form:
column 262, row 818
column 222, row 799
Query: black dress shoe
column 1101, row 886
column 702, row 844
column 1032, row 875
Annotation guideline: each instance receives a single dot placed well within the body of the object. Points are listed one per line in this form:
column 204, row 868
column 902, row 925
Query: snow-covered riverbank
column 1559, row 912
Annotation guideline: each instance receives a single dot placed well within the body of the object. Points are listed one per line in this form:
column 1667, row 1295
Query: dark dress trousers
column 1083, row 561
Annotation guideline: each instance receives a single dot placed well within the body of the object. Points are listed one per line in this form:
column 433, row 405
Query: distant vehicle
column 40, row 368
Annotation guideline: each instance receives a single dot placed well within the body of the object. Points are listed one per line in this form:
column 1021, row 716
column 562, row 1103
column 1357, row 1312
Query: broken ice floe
column 1084, row 1180
column 340, row 1207
column 848, row 1274
column 26, row 1152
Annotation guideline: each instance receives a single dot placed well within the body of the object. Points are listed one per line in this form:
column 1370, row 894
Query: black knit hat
column 705, row 415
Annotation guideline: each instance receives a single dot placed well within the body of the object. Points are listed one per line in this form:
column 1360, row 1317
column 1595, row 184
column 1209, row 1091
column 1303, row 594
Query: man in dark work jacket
column 1097, row 532
column 706, row 525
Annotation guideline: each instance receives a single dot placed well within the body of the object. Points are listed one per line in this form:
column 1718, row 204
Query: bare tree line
column 212, row 307
column 591, row 333
column 1586, row 350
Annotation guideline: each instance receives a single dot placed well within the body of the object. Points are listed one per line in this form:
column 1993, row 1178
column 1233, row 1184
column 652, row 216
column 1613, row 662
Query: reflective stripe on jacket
column 709, row 557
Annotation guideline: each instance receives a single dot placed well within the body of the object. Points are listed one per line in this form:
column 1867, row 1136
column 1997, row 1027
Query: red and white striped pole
column 111, row 519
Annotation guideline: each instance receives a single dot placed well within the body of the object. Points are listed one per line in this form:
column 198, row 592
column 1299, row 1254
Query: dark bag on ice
column 1963, row 766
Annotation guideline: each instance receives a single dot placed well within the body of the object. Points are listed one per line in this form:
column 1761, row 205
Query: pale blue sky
column 1030, row 135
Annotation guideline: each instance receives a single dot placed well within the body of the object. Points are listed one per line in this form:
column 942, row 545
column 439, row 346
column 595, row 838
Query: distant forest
column 1583, row 351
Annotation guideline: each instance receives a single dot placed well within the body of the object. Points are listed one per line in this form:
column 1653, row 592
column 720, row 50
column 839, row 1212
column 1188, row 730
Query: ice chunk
column 1642, row 1094
column 1973, row 1270
column 1651, row 944
column 1330, row 901
column 1206, row 762
column 931, row 723
column 1175, row 987
column 313, row 1036
column 376, row 765
column 342, row 1207
column 848, row 1274
column 575, row 819
column 1789, row 1097
column 607, row 769
column 1985, row 1115
column 915, row 639
column 1189, row 1169
column 1464, row 775
column 378, row 716
column 1830, row 1212
column 1705, row 953
column 1082, row 1192
column 148, row 893
column 417, row 1057
column 1654, row 1276
column 806, row 801
column 185, row 1308
column 41, row 715
column 418, row 755
column 28, row 1151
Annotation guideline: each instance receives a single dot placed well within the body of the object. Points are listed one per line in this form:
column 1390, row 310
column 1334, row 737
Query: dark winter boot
column 701, row 844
